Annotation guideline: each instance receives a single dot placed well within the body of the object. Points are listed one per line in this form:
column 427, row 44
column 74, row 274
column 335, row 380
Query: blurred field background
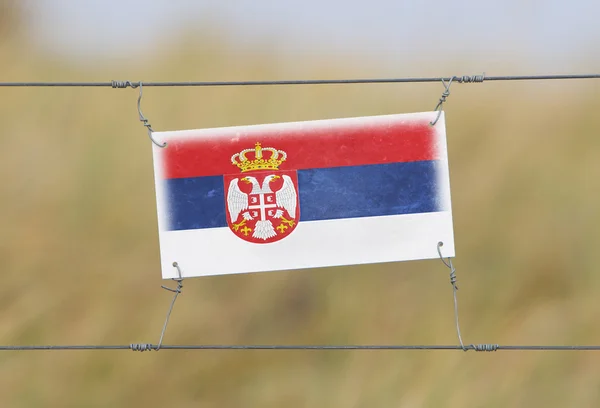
column 79, row 245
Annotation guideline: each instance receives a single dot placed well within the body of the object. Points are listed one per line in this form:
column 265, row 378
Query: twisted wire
column 476, row 347
column 466, row 79
column 445, row 95
column 177, row 291
column 143, row 119
column 143, row 347
column 124, row 84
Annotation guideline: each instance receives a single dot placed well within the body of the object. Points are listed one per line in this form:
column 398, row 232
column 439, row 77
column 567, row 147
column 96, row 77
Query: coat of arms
column 262, row 206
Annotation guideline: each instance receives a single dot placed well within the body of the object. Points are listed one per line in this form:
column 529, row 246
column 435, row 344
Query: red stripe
column 306, row 146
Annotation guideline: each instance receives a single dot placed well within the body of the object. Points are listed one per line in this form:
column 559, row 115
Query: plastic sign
column 303, row 195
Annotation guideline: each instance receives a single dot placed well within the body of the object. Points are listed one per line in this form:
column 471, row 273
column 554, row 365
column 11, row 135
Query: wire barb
column 124, row 84
column 484, row 347
column 466, row 79
column 177, row 291
column 141, row 115
column 141, row 347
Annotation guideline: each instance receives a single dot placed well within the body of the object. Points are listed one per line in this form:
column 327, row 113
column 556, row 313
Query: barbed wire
column 445, row 80
column 459, row 79
column 153, row 347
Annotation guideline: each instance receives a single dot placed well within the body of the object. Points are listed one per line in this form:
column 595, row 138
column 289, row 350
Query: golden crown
column 259, row 162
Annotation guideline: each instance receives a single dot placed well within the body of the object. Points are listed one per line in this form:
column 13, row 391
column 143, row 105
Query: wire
column 148, row 347
column 177, row 291
column 460, row 79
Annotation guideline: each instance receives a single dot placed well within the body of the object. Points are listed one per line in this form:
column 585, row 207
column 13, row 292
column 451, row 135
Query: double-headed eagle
column 238, row 202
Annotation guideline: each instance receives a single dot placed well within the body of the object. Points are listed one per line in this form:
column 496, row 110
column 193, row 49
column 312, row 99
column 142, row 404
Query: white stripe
column 313, row 244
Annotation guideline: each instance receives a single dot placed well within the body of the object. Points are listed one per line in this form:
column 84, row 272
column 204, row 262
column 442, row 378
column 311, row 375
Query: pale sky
column 551, row 36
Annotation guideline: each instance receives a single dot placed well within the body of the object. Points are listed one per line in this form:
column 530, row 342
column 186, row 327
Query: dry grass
column 79, row 250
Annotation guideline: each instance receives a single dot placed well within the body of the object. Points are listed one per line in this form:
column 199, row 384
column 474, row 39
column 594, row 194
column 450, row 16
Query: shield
column 262, row 206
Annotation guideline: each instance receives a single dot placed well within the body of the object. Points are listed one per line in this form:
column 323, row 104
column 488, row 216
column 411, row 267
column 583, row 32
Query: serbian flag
column 303, row 195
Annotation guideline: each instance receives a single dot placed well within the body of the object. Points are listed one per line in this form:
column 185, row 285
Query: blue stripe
column 195, row 203
column 368, row 191
column 331, row 193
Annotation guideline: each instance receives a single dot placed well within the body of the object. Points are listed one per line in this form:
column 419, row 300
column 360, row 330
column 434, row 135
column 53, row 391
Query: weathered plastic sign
column 303, row 195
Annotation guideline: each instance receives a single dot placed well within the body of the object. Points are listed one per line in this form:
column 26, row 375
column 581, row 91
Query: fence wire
column 459, row 79
column 156, row 347
column 153, row 347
